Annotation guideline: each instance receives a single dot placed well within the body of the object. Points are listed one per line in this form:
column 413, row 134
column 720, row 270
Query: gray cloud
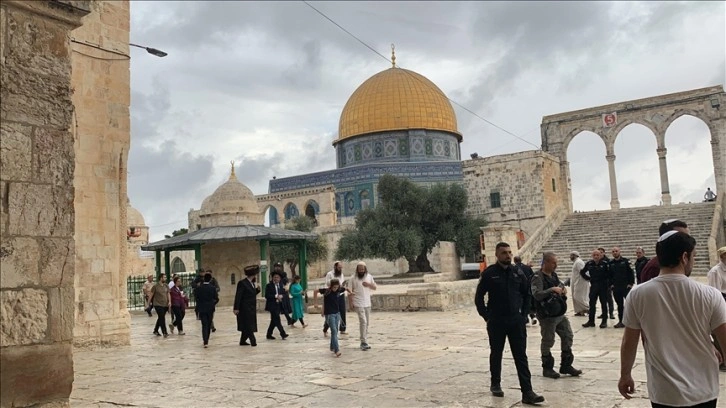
column 265, row 82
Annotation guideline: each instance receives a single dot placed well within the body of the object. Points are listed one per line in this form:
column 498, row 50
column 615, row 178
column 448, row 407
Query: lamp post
column 152, row 51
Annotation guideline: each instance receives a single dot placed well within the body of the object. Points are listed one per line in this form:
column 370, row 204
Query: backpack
column 553, row 306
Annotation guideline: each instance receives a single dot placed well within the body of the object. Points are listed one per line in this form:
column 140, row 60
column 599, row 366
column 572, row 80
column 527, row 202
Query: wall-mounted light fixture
column 715, row 103
column 474, row 155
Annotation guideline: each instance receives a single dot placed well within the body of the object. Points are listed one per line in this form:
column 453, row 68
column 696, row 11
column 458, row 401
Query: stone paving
column 419, row 359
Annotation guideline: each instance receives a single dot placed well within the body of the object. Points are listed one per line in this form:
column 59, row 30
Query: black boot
column 566, row 364
column 589, row 323
column 496, row 390
column 603, row 324
column 530, row 397
column 548, row 364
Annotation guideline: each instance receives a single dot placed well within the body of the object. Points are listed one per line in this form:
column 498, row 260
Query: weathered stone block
column 57, row 259
column 36, row 374
column 38, row 45
column 53, row 157
column 19, row 262
column 61, row 312
column 40, row 210
column 35, row 99
column 24, row 317
column 15, row 151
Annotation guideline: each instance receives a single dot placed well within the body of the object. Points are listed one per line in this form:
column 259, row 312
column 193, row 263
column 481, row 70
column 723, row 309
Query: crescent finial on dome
column 232, row 175
column 393, row 55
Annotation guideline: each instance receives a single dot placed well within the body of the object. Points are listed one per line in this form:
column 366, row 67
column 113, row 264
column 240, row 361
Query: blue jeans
column 333, row 320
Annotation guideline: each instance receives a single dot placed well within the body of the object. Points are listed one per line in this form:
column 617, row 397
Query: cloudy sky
column 263, row 83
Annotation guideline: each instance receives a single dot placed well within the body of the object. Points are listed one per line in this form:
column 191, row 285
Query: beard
column 360, row 274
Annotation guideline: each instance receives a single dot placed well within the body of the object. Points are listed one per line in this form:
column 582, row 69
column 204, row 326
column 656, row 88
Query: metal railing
column 135, row 292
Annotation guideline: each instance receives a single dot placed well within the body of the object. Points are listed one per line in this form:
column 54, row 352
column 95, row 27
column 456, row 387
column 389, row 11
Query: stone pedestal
column 36, row 191
column 495, row 234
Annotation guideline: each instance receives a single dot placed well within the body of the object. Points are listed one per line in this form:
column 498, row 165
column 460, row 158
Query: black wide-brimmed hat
column 273, row 273
column 252, row 270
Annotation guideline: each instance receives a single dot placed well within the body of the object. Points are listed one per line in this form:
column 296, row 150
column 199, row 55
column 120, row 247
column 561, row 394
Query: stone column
column 36, row 195
column 718, row 149
column 565, row 184
column 614, row 202
column 664, row 185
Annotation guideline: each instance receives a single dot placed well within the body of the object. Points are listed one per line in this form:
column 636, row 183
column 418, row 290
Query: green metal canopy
column 228, row 234
column 265, row 235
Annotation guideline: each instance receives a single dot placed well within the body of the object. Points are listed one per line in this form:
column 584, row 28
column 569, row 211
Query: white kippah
column 667, row 235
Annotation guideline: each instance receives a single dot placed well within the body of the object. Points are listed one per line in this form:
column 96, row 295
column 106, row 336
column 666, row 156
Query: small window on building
column 495, row 200
column 554, row 186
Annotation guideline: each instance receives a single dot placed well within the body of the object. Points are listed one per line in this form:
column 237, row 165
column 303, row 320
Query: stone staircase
column 627, row 228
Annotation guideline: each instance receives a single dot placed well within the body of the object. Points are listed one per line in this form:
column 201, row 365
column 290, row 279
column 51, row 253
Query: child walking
column 331, row 312
column 298, row 309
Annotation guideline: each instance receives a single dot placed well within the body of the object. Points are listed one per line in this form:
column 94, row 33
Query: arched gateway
column 656, row 113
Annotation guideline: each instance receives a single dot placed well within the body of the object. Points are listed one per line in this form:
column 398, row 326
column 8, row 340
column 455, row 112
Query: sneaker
column 365, row 346
column 181, row 333
column 171, row 328
column 496, row 390
column 531, row 398
column 205, row 346
column 620, row 325
column 157, row 334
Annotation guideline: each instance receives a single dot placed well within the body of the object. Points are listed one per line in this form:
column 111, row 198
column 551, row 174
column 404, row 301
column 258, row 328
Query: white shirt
column 677, row 315
column 717, row 277
column 171, row 284
column 331, row 275
column 361, row 294
column 576, row 268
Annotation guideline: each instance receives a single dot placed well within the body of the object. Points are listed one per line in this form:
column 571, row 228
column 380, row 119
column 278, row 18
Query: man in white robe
column 580, row 287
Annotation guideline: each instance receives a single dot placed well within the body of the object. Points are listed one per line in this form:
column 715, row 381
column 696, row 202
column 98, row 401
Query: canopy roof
column 228, row 234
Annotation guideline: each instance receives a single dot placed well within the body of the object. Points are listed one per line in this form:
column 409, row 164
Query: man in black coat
column 274, row 297
column 285, row 304
column 245, row 306
column 207, row 297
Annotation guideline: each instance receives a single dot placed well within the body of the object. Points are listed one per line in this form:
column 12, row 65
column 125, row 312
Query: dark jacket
column 245, row 302
column 599, row 272
column 542, row 290
column 528, row 272
column 622, row 273
column 508, row 290
column 650, row 270
column 639, row 264
column 272, row 304
column 206, row 297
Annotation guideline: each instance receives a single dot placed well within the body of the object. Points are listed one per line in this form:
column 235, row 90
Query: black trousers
column 247, row 335
column 206, row 319
column 178, row 315
column 598, row 291
column 341, row 306
column 708, row 404
column 160, row 319
column 620, row 293
column 275, row 322
column 513, row 329
column 611, row 307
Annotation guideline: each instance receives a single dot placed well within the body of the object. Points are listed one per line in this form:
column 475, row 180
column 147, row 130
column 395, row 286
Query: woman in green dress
column 298, row 303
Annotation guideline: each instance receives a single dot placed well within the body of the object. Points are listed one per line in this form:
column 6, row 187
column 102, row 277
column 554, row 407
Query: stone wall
column 524, row 183
column 323, row 197
column 101, row 97
column 225, row 259
column 438, row 296
column 36, row 202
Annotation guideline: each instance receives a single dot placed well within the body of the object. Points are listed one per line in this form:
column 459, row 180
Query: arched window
column 349, row 204
column 271, row 216
column 177, row 265
column 365, row 201
column 291, row 211
column 312, row 209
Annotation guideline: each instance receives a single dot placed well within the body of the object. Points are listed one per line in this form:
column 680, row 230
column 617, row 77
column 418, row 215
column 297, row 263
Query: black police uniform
column 506, row 315
column 600, row 280
column 623, row 276
column 639, row 264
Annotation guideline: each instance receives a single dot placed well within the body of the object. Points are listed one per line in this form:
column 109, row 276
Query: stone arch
column 618, row 129
column 634, row 151
column 573, row 133
column 690, row 160
column 291, row 211
column 687, row 112
column 364, row 198
column 349, row 204
column 272, row 215
column 177, row 265
column 312, row 208
column 587, row 166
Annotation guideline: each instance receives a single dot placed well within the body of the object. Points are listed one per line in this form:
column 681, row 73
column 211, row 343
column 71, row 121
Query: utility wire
column 406, row 71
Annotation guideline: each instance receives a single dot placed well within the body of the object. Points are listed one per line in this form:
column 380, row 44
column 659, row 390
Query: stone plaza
column 419, row 359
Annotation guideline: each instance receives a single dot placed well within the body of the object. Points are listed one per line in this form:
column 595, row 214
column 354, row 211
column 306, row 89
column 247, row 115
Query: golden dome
column 396, row 99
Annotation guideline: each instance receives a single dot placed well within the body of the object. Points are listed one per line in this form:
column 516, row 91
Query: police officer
column 623, row 280
column 611, row 305
column 551, row 303
column 506, row 315
column 640, row 261
column 528, row 272
column 597, row 272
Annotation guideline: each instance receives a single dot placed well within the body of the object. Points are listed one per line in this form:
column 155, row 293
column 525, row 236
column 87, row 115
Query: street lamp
column 152, row 51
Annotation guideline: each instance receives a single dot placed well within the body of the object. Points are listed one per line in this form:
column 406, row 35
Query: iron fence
column 135, row 292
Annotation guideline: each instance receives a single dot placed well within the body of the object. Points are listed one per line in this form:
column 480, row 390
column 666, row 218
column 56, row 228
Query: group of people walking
column 682, row 362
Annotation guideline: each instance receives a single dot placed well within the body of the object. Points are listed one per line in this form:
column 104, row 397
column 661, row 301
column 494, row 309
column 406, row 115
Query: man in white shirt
column 361, row 285
column 580, row 287
column 717, row 279
column 676, row 316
